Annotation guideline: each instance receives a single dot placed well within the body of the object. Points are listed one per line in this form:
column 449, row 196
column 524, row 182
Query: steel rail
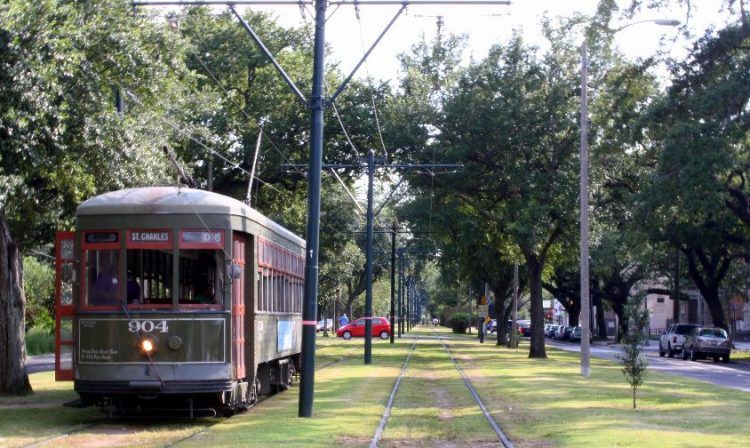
column 387, row 414
column 504, row 440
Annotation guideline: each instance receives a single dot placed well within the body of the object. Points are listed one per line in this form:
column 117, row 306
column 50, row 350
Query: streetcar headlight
column 147, row 346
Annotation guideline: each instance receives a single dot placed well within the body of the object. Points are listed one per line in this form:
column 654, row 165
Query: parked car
column 560, row 333
column 328, row 325
column 672, row 340
column 550, row 333
column 707, row 342
column 564, row 332
column 524, row 327
column 380, row 327
column 575, row 335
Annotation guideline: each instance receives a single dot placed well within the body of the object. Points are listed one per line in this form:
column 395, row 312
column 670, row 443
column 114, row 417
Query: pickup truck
column 672, row 340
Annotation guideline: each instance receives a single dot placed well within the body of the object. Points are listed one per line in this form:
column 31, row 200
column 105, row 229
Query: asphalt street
column 40, row 363
column 734, row 375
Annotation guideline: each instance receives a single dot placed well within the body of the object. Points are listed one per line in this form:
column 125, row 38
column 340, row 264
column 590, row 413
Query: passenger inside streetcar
column 103, row 291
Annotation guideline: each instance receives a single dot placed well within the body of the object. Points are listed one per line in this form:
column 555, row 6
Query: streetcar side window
column 201, row 276
column 102, row 277
column 280, row 276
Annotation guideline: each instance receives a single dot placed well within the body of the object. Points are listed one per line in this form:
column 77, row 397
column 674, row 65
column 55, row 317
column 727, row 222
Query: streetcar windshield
column 149, row 277
column 201, row 277
column 102, row 279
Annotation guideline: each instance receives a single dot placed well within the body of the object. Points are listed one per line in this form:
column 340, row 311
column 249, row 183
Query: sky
column 485, row 26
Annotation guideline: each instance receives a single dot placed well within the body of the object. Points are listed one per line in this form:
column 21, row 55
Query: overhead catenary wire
column 369, row 82
column 256, row 121
column 232, row 164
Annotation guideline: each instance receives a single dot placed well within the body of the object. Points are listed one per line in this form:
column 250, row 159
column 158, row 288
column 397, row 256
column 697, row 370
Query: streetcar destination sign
column 149, row 237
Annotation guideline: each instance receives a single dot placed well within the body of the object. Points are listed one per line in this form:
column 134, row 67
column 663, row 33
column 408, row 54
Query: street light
column 585, row 300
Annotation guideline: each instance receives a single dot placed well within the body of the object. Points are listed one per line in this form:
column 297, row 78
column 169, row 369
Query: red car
column 380, row 327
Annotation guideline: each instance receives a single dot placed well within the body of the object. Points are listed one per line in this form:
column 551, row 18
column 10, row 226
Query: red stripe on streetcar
column 309, row 322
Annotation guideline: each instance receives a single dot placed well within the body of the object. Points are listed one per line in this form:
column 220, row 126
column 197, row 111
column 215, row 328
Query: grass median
column 537, row 402
column 546, row 402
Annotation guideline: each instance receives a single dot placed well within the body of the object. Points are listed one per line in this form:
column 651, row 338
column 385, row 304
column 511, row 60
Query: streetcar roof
column 175, row 200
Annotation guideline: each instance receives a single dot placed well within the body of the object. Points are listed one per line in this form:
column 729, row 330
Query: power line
column 232, row 164
column 256, row 121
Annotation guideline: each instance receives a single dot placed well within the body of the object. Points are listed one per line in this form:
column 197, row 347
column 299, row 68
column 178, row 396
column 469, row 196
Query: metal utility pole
column 584, row 316
column 514, row 327
column 400, row 293
column 676, row 293
column 368, row 261
column 393, row 279
column 317, row 103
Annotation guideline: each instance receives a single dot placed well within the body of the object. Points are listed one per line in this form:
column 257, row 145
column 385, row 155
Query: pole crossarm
column 309, row 3
column 268, row 55
column 367, row 53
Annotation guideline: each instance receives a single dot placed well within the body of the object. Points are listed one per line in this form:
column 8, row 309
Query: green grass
column 741, row 356
column 540, row 402
column 547, row 399
column 32, row 418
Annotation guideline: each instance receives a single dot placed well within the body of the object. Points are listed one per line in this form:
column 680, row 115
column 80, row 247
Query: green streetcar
column 176, row 300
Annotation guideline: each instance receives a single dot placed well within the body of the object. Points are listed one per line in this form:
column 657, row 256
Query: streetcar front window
column 102, row 277
column 149, row 277
column 201, row 277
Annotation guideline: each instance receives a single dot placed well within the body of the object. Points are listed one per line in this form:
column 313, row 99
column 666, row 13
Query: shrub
column 633, row 359
column 39, row 289
column 460, row 322
column 39, row 341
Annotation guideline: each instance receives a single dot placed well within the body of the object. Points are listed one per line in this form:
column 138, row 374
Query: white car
column 328, row 325
column 672, row 340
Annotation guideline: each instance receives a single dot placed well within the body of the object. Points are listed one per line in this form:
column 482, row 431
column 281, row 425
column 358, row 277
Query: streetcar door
column 64, row 277
column 238, row 304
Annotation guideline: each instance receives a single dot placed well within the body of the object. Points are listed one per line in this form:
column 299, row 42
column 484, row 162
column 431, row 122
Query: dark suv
column 672, row 340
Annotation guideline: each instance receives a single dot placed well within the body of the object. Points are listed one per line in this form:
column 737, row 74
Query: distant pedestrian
column 343, row 320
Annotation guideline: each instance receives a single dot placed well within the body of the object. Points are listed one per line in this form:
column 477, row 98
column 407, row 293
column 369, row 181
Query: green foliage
column 460, row 321
column 39, row 341
column 635, row 338
column 61, row 138
column 39, row 289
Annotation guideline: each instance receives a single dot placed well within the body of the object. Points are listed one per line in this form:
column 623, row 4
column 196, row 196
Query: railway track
column 503, row 439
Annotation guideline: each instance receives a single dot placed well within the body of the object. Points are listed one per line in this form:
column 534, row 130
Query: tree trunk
column 634, row 398
column 534, row 268
column 708, row 279
column 13, row 377
column 601, row 324
column 498, row 310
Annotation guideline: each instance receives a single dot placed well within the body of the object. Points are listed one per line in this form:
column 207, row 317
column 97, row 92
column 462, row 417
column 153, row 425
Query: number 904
column 147, row 326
